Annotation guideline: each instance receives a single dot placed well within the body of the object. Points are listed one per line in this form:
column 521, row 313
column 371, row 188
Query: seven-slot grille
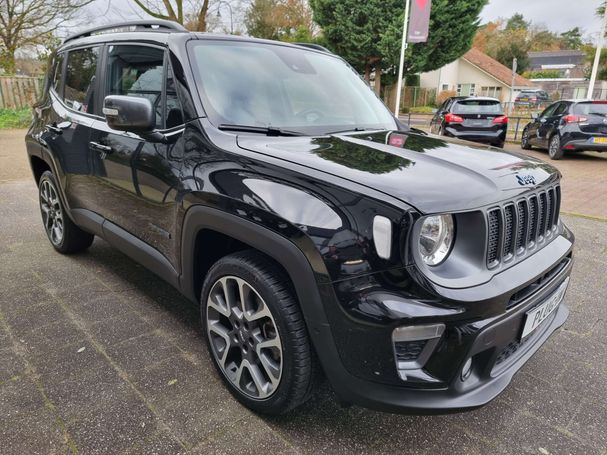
column 522, row 224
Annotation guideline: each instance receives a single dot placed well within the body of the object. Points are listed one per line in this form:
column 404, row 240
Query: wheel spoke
column 222, row 332
column 271, row 368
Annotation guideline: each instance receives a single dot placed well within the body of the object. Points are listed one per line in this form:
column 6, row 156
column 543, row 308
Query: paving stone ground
column 98, row 355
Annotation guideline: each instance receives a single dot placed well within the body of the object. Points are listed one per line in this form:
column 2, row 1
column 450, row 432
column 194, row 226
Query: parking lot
column 98, row 355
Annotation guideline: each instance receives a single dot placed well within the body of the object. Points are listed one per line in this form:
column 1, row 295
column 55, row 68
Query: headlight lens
column 436, row 238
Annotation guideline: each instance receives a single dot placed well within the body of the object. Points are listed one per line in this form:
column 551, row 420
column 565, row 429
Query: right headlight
column 436, row 238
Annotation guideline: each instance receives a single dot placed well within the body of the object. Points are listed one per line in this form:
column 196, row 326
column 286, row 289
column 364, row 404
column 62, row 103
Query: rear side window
column 137, row 71
column 561, row 109
column 79, row 92
column 590, row 109
column 477, row 107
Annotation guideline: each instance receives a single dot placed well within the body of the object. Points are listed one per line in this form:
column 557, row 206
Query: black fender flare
column 279, row 248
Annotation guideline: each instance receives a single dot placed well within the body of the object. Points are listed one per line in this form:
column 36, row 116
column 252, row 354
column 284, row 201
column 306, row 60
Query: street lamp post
column 597, row 57
column 403, row 48
column 231, row 14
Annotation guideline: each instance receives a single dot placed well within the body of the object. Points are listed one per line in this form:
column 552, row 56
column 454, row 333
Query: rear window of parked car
column 590, row 108
column 79, row 91
column 477, row 107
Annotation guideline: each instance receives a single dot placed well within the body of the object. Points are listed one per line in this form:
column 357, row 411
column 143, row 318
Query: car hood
column 430, row 173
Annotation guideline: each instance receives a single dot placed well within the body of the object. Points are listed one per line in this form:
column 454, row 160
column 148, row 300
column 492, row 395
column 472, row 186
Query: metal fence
column 19, row 91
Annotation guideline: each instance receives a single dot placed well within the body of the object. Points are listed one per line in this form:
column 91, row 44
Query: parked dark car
column 533, row 97
column 471, row 118
column 568, row 126
column 318, row 235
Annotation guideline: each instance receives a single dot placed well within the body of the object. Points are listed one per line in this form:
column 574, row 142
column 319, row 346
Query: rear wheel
column 63, row 234
column 554, row 148
column 525, row 145
column 256, row 333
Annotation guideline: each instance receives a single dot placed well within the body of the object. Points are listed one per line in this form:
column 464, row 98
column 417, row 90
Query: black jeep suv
column 319, row 236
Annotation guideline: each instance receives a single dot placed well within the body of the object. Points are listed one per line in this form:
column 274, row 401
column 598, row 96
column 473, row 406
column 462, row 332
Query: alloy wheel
column 525, row 139
column 52, row 214
column 555, row 145
column 244, row 337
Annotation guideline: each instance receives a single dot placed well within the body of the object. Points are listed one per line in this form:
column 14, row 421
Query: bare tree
column 31, row 23
column 195, row 19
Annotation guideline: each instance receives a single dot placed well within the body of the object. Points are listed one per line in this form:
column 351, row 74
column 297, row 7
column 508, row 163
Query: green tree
column 368, row 34
column 572, row 39
column 510, row 44
column 287, row 20
column 517, row 22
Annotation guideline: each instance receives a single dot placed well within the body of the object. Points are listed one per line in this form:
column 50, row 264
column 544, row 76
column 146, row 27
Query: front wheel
column 555, row 150
column 63, row 234
column 256, row 333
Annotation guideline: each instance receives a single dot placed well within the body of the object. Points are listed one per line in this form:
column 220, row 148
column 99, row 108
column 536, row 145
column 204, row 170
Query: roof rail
column 149, row 25
column 317, row 47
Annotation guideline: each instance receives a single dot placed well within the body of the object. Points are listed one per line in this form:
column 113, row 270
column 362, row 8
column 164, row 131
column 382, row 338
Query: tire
column 554, row 147
column 286, row 367
column 525, row 145
column 64, row 235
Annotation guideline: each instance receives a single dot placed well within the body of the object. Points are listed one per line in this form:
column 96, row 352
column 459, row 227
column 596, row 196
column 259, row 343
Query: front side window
column 137, row 71
column 279, row 86
column 79, row 91
column 549, row 110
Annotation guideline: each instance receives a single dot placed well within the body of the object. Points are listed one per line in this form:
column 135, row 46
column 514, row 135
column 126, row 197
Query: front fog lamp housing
column 436, row 238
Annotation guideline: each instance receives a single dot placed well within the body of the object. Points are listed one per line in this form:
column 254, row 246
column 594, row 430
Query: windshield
column 590, row 109
column 265, row 85
column 477, row 107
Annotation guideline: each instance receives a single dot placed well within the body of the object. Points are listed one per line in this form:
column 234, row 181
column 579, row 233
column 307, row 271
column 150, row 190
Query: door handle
column 104, row 150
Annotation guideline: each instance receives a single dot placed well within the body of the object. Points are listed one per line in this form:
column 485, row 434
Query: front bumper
column 486, row 329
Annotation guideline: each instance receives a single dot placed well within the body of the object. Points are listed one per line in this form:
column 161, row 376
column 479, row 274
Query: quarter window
column 79, row 92
column 58, row 73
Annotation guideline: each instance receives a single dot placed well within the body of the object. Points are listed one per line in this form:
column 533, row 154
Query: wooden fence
column 19, row 91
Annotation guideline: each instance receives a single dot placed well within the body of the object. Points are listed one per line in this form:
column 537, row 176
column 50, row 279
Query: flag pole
column 597, row 58
column 401, row 65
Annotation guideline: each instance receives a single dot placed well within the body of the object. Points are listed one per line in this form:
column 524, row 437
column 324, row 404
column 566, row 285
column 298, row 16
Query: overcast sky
column 557, row 15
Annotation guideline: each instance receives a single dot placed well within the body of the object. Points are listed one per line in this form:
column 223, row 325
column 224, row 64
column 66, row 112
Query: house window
column 494, row 92
column 445, row 87
column 465, row 89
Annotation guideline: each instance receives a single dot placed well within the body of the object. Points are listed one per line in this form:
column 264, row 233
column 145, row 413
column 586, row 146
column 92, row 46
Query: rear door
column 136, row 181
column 550, row 121
column 74, row 108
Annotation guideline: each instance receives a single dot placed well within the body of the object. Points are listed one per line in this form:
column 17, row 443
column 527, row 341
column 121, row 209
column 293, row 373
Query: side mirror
column 534, row 115
column 129, row 113
column 434, row 110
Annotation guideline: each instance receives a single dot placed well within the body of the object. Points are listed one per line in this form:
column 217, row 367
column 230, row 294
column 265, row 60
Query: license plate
column 539, row 314
column 599, row 140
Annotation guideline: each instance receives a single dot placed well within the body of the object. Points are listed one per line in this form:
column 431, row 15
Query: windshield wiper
column 352, row 130
column 267, row 130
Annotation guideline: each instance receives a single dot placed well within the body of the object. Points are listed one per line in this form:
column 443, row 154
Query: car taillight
column 574, row 118
column 501, row 119
column 452, row 118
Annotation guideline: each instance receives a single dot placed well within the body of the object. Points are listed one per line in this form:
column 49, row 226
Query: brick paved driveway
column 97, row 355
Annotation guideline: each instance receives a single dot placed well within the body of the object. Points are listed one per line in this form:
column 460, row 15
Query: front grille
column 520, row 225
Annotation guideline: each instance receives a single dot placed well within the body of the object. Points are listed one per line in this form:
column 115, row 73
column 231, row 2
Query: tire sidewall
column 274, row 403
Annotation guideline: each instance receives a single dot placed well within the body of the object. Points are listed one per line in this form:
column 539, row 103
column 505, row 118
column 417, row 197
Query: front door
column 133, row 177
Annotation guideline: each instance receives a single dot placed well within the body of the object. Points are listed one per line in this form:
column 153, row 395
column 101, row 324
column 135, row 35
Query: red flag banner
column 419, row 21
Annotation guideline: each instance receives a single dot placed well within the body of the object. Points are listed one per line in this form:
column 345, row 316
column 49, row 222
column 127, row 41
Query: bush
column 442, row 96
column 422, row 110
column 542, row 74
column 15, row 118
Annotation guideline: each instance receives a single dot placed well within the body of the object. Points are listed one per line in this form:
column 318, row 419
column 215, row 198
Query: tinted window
column 173, row 112
column 58, row 73
column 560, row 109
column 137, row 71
column 477, row 107
column 549, row 110
column 590, row 109
column 79, row 92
